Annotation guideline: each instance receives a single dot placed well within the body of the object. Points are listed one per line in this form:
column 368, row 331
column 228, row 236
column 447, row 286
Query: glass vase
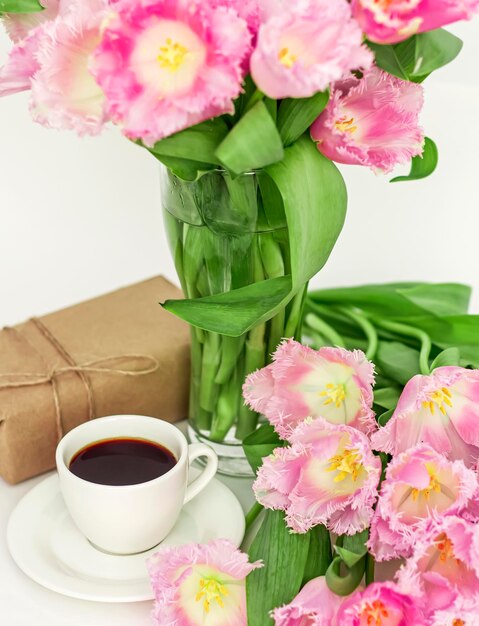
column 223, row 237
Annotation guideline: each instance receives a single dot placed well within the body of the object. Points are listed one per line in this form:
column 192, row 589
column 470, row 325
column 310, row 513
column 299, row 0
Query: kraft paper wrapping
column 89, row 361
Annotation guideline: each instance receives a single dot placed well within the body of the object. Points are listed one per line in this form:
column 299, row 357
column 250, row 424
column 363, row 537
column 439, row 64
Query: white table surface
column 25, row 603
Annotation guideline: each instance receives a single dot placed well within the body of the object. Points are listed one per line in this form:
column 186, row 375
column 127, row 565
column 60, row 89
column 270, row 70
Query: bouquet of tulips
column 357, row 464
column 220, row 89
column 348, row 476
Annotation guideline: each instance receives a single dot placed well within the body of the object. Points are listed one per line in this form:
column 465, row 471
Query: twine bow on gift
column 99, row 366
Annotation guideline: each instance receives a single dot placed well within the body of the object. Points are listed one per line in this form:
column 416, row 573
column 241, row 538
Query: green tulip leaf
column 352, row 554
column 197, row 143
column 20, row 6
column 296, row 115
column 397, row 361
column 315, row 200
column 235, row 312
column 320, row 555
column 348, row 557
column 416, row 57
column 400, row 300
column 449, row 356
column 284, row 555
column 253, row 143
column 433, row 50
column 384, row 418
column 387, row 397
column 439, row 299
column 422, row 165
column 460, row 331
column 344, row 584
column 259, row 444
column 389, row 59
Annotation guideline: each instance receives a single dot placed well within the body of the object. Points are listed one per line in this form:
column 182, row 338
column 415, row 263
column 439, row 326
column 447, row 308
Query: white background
column 79, row 217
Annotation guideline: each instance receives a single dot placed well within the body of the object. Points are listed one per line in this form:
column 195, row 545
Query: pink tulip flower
column 327, row 476
column 166, row 65
column 20, row 25
column 17, row 73
column 444, row 567
column 463, row 612
column 315, row 605
column 65, row 95
column 390, row 21
column 419, row 484
column 442, row 410
column 371, row 121
column 380, row 604
column 200, row 584
column 306, row 45
column 332, row 383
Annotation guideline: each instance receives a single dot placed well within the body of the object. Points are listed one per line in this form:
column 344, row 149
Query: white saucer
column 47, row 546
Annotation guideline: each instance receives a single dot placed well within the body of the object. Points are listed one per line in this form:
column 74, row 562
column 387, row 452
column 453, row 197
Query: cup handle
column 196, row 450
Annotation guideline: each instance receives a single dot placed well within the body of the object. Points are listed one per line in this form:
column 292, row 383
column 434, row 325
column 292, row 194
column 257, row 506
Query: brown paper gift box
column 88, row 361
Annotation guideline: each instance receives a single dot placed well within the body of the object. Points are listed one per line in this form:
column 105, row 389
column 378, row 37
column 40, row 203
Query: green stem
column 227, row 406
column 273, row 264
column 320, row 326
column 252, row 514
column 369, row 573
column 254, row 359
column 202, row 419
column 366, row 327
column 211, row 359
column 411, row 331
column 230, row 351
column 256, row 97
column 295, row 314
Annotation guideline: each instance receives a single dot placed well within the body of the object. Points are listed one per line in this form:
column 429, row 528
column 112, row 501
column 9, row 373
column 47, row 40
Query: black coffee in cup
column 122, row 461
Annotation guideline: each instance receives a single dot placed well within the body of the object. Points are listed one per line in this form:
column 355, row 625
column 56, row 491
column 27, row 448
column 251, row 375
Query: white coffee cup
column 128, row 519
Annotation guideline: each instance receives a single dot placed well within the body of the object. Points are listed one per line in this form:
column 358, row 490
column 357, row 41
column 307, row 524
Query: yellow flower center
column 434, row 485
column 286, row 58
column 334, row 394
column 345, row 124
column 445, row 547
column 440, row 398
column 348, row 463
column 458, row 622
column 172, row 55
column 211, row 590
column 375, row 613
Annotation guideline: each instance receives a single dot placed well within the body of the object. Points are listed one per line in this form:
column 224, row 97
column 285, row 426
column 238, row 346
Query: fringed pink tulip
column 445, row 564
column 26, row 30
column 419, row 484
column 200, row 584
column 17, row 73
column 380, row 604
column 19, row 25
column 65, row 94
column 332, row 383
column 306, row 45
column 327, row 476
column 442, row 410
column 463, row 612
column 373, row 121
column 166, row 65
column 390, row 21
column 315, row 605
